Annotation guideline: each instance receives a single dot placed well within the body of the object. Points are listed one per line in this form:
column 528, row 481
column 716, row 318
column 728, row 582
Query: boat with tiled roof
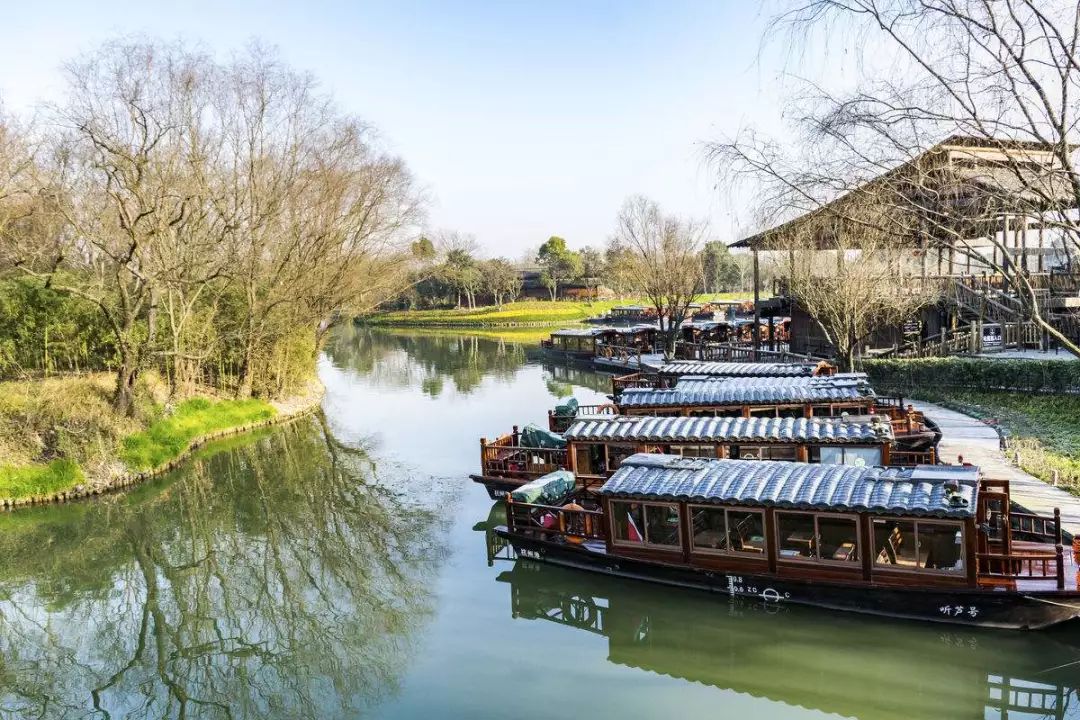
column 937, row 543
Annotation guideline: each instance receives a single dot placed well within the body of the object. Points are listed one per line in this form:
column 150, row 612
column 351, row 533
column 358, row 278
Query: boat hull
column 960, row 606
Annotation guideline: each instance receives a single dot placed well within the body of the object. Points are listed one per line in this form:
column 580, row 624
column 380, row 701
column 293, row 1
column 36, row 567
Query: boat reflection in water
column 852, row 666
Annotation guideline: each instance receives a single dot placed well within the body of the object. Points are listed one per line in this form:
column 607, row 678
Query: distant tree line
column 205, row 219
column 451, row 273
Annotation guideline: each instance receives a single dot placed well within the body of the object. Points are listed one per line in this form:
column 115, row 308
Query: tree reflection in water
column 281, row 578
column 390, row 359
column 401, row 359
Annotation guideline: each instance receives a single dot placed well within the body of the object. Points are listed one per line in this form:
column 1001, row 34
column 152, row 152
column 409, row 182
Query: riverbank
column 1042, row 432
column 524, row 314
column 60, row 440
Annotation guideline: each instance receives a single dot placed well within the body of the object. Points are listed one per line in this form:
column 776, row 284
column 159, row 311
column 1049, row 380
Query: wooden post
column 866, row 539
column 483, row 456
column 757, row 302
column 1059, row 557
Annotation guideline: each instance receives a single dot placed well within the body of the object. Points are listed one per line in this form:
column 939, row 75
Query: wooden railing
column 1024, row 566
column 505, row 458
column 911, row 458
column 737, row 352
column 635, row 380
column 905, row 421
column 559, row 423
column 1037, row 527
column 550, row 521
column 621, row 353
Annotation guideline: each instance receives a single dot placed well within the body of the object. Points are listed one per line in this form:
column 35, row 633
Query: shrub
column 1027, row 376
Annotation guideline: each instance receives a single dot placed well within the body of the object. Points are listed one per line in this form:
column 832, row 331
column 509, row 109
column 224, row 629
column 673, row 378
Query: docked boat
column 934, row 543
column 593, row 447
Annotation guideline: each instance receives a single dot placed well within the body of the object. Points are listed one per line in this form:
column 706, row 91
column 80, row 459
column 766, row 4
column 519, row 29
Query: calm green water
column 339, row 567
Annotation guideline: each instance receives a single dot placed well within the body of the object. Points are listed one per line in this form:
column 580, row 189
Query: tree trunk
column 124, row 395
column 245, row 382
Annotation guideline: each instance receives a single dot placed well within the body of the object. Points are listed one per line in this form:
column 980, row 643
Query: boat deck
column 1037, row 584
column 979, row 444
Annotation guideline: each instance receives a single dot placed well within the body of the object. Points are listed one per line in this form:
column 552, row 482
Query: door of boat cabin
column 992, row 518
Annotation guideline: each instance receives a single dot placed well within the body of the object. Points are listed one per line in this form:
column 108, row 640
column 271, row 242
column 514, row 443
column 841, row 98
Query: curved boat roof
column 923, row 491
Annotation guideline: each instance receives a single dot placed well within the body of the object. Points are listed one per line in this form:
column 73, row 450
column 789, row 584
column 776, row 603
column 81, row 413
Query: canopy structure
column 702, row 391
column 819, row 430
column 738, row 369
column 923, row 491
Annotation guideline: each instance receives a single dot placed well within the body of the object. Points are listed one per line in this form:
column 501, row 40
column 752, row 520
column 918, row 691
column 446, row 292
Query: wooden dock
column 979, row 444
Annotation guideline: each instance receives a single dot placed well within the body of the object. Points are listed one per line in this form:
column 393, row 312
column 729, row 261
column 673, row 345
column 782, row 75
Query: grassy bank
column 57, row 434
column 1044, row 430
column 526, row 312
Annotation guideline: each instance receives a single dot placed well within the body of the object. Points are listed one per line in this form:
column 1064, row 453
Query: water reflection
column 806, row 659
column 394, row 359
column 278, row 579
column 429, row 360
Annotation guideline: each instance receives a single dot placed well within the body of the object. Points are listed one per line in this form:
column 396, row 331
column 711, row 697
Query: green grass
column 170, row 436
column 20, row 481
column 1044, row 430
column 515, row 313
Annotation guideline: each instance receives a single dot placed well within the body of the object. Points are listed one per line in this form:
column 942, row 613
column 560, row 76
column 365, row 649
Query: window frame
column 857, row 563
column 936, row 572
column 763, row 555
column 644, row 529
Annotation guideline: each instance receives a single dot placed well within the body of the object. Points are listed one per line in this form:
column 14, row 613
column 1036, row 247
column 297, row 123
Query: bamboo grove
column 201, row 218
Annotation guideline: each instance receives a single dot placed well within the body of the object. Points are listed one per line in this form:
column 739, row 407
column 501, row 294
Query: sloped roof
column 703, row 391
column 732, row 429
column 738, row 369
column 924, row 491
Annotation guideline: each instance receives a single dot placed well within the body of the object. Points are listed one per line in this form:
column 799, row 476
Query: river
column 339, row 567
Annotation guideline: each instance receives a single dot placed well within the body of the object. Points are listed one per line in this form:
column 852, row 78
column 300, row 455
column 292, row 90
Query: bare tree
column 664, row 260
column 843, row 274
column 998, row 75
column 118, row 183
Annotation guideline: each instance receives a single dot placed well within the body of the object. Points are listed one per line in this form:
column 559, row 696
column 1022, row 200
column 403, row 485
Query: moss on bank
column 60, row 433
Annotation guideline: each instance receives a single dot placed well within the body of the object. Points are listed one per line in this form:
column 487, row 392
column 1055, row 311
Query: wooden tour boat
column 593, row 448
column 934, row 543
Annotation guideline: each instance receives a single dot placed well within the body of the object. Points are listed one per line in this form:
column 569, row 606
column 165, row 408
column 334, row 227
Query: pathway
column 980, row 445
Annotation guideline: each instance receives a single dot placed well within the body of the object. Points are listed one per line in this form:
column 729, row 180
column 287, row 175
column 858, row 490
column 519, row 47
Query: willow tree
column 664, row 260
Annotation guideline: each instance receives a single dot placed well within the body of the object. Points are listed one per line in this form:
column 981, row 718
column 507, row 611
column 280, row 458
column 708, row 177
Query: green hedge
column 1029, row 376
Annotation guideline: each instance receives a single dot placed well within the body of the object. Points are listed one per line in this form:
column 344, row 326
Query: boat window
column 763, row 412
column 857, row 456
column 790, row 412
column 807, row 536
column 589, row 459
column 838, row 538
column 919, row 545
column 941, row 547
column 628, row 522
column 766, row 452
column 662, row 525
column 617, row 453
column 637, row 523
column 710, row 528
column 706, row 451
column 796, row 535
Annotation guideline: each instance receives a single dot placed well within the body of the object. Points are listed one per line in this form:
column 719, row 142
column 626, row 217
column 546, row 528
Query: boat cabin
column 590, row 342
column 631, row 313
column 596, row 447
column 670, row 373
column 578, row 342
column 701, row 396
column 926, row 526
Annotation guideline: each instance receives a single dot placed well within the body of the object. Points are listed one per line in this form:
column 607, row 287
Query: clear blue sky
column 522, row 120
